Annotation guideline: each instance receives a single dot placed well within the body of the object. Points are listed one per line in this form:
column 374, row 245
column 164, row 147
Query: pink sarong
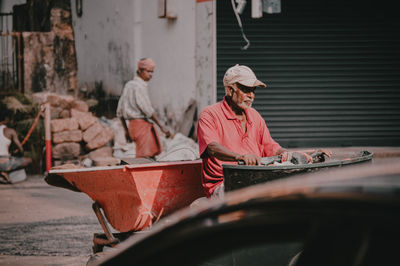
column 145, row 135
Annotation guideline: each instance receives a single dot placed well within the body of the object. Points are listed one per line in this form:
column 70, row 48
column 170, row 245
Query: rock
column 101, row 139
column 63, row 101
column 63, row 124
column 92, row 102
column 67, row 136
column 102, row 152
column 55, row 112
column 106, row 161
column 80, row 106
column 65, row 113
column 85, row 119
column 92, row 132
column 39, row 97
column 87, row 162
column 66, row 150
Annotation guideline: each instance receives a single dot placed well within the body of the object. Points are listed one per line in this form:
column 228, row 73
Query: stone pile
column 78, row 136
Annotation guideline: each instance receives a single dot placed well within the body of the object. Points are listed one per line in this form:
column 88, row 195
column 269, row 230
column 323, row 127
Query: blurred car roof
column 354, row 195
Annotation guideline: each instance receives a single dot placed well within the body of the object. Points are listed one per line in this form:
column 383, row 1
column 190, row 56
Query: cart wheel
column 97, row 248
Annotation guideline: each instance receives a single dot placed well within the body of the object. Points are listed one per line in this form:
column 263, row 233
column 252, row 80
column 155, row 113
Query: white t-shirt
column 4, row 142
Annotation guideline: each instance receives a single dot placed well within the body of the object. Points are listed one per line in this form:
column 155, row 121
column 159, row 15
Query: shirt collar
column 229, row 114
column 140, row 80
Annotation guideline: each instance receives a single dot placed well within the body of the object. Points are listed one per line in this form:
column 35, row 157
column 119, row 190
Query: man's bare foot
column 4, row 175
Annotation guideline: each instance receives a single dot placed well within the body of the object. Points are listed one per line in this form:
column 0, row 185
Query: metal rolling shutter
column 331, row 67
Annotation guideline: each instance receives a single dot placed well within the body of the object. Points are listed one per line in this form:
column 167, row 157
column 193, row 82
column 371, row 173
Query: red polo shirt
column 218, row 123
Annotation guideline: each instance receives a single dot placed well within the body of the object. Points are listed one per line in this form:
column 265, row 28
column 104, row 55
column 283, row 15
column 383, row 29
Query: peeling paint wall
column 49, row 61
column 171, row 43
column 205, row 53
column 104, row 43
column 112, row 35
column 7, row 5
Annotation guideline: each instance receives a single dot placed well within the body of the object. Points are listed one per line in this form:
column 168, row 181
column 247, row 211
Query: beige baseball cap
column 243, row 75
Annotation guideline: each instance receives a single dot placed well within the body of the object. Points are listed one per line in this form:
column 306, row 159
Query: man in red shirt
column 231, row 130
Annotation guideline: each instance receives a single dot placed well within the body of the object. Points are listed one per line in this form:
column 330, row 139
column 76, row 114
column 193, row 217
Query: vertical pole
column 6, row 55
column 19, row 63
column 47, row 136
column 13, row 60
column 3, row 61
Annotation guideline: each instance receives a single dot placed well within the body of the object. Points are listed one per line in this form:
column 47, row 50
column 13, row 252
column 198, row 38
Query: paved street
column 45, row 225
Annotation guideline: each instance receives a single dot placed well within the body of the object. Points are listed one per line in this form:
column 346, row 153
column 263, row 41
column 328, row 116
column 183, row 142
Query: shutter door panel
column 332, row 70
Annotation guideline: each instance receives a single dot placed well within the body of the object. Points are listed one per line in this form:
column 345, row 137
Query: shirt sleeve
column 143, row 101
column 207, row 131
column 270, row 146
column 119, row 112
column 128, row 101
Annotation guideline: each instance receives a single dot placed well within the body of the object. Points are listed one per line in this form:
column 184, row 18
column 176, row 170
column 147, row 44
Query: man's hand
column 327, row 152
column 167, row 133
column 163, row 128
column 17, row 152
column 249, row 159
column 126, row 130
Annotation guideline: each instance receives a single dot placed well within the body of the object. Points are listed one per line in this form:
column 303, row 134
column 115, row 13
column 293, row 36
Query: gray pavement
column 46, row 225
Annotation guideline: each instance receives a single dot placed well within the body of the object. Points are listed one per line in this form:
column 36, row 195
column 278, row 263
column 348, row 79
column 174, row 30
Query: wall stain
column 119, row 63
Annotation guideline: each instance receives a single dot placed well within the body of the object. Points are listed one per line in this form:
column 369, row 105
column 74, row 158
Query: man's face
column 146, row 73
column 242, row 96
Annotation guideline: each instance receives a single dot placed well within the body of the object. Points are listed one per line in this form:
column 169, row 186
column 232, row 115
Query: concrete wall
column 104, row 42
column 7, row 5
column 112, row 35
column 171, row 43
column 206, row 53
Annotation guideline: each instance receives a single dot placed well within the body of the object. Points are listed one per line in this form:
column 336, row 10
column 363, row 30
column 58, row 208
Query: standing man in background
column 135, row 105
